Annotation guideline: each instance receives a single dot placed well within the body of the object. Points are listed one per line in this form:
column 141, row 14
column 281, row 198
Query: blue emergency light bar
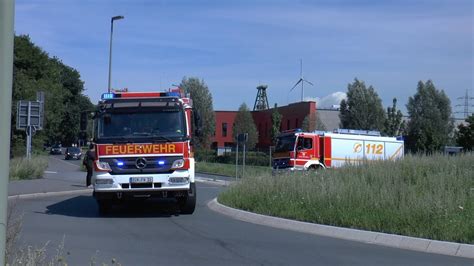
column 173, row 93
column 111, row 95
column 107, row 96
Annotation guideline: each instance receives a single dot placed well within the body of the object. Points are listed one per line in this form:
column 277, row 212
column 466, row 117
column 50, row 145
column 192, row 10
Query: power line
column 466, row 105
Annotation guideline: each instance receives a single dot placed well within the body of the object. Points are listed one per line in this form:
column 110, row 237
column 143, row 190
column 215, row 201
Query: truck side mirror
column 197, row 124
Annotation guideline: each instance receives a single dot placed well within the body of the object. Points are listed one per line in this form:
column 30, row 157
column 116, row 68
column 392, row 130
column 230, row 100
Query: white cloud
column 328, row 102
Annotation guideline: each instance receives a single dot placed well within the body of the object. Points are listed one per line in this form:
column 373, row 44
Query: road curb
column 216, row 175
column 397, row 241
column 212, row 181
column 49, row 194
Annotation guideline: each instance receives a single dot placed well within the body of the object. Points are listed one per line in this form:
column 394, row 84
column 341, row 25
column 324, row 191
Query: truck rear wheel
column 187, row 204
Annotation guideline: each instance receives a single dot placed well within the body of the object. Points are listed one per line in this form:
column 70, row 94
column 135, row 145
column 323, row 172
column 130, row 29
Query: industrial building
column 292, row 117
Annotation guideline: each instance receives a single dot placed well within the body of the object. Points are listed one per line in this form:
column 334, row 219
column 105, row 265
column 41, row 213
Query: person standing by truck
column 88, row 163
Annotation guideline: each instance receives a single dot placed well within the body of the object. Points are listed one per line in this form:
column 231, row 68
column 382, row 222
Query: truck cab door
column 304, row 148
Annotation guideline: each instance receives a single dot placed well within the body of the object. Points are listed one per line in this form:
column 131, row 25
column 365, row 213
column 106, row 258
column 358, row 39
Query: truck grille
column 141, row 165
column 141, row 185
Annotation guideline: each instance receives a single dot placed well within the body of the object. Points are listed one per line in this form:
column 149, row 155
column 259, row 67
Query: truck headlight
column 102, row 166
column 104, row 181
column 178, row 180
column 177, row 164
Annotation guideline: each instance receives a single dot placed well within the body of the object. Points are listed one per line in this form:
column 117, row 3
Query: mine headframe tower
column 261, row 102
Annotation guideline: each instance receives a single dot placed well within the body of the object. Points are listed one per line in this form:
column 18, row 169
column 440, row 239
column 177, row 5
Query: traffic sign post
column 241, row 138
column 30, row 118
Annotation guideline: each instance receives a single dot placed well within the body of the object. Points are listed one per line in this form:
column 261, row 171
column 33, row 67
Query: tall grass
column 422, row 196
column 21, row 168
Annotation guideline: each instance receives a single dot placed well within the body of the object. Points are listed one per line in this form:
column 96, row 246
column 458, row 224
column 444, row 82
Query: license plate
column 141, row 179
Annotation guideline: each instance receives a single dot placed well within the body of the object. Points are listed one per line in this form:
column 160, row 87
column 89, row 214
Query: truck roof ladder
column 357, row 132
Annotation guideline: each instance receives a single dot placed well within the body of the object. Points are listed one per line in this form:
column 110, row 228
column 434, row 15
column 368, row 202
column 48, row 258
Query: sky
column 234, row 46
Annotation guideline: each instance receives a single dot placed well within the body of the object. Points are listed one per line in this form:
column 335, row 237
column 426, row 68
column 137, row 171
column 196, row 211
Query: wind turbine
column 301, row 80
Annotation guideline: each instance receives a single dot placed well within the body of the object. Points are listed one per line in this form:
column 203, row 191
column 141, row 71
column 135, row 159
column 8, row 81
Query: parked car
column 73, row 153
column 55, row 149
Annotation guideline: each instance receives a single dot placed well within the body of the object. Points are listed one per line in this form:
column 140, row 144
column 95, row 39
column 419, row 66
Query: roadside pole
column 7, row 8
column 270, row 153
column 241, row 138
column 28, row 133
column 237, row 160
column 243, row 161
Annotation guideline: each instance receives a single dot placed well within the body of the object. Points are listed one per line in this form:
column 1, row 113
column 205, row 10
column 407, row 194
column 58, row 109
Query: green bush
column 229, row 169
column 202, row 155
column 251, row 157
column 18, row 148
column 21, row 168
column 421, row 196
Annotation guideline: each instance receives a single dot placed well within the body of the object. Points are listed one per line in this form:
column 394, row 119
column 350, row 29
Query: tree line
column 429, row 126
column 34, row 70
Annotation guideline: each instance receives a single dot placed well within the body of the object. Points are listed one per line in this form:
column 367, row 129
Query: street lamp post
column 7, row 18
column 110, row 51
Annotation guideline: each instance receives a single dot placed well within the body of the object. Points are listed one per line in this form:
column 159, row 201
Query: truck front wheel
column 104, row 206
column 315, row 167
column 187, row 204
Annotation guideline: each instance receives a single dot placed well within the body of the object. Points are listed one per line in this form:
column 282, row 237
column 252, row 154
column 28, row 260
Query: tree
column 276, row 123
column 202, row 104
column 74, row 102
column 34, row 70
column 465, row 134
column 313, row 122
column 244, row 124
column 363, row 108
column 394, row 124
column 430, row 121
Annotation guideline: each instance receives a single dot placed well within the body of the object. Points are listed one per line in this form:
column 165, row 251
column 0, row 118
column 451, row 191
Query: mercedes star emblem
column 140, row 163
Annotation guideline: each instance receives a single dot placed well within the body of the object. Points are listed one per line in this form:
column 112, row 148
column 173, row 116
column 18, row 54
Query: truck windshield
column 145, row 124
column 285, row 143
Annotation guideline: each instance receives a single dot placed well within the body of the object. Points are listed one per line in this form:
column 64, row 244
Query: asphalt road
column 153, row 233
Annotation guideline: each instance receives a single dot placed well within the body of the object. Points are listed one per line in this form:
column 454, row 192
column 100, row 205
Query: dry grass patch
column 22, row 168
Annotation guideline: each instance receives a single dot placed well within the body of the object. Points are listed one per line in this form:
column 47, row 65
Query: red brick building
column 223, row 138
column 292, row 117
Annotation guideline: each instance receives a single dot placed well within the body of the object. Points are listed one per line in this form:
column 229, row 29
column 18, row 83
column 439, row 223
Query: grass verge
column 21, row 168
column 229, row 169
column 422, row 196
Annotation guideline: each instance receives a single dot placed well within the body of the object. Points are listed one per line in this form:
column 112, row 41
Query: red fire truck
column 297, row 150
column 143, row 148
